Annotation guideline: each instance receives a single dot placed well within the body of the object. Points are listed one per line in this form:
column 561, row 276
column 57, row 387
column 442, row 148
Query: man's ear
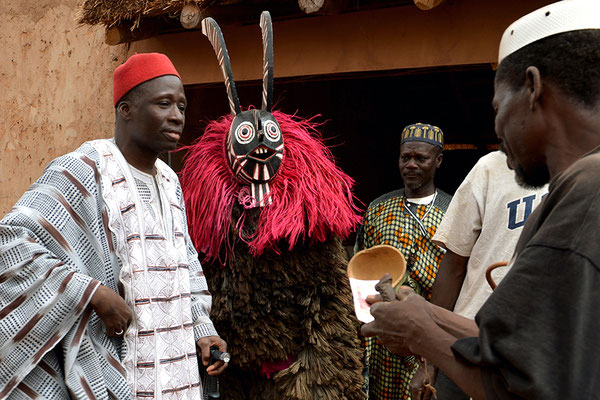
column 124, row 110
column 440, row 158
column 533, row 83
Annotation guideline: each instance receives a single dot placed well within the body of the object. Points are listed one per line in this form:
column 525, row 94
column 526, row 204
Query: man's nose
column 177, row 115
column 412, row 163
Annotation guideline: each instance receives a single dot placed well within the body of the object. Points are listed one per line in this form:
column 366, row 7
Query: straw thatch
column 111, row 12
column 130, row 12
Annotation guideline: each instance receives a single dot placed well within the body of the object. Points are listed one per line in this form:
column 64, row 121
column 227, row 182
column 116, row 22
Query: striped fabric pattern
column 55, row 249
column 161, row 361
column 54, row 252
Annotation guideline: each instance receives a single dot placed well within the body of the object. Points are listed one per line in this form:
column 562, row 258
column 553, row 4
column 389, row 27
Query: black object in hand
column 211, row 383
column 216, row 355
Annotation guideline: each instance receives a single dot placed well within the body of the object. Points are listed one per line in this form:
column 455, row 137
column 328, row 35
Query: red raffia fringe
column 312, row 197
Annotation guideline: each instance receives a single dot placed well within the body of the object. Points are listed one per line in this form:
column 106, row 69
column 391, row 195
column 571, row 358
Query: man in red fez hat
column 102, row 291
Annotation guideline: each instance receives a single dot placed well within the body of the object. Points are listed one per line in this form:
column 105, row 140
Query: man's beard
column 533, row 179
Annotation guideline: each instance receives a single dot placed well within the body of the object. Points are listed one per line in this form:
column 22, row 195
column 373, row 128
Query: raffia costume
column 267, row 207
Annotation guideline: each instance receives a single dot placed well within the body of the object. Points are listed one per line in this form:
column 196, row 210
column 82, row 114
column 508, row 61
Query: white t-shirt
column 484, row 222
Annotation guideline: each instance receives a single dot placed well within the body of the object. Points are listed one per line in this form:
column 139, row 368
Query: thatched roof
column 131, row 12
column 111, row 12
column 131, row 20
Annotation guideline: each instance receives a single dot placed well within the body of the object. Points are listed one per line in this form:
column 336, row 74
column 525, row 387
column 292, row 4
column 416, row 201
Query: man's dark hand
column 398, row 323
column 204, row 345
column 112, row 310
column 417, row 386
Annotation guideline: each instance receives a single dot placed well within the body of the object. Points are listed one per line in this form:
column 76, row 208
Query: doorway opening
column 363, row 114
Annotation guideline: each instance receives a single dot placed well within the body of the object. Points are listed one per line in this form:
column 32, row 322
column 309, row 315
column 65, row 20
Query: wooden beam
column 471, row 146
column 323, row 7
column 427, row 4
column 190, row 16
column 122, row 33
column 333, row 7
column 238, row 14
column 310, row 6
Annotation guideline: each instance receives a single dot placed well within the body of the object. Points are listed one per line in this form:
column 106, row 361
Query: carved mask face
column 254, row 143
column 255, row 146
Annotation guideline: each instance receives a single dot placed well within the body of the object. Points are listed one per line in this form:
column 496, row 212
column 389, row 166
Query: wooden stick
column 385, row 288
column 118, row 34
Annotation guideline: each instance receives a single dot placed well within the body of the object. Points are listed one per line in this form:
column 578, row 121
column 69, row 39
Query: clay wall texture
column 56, row 88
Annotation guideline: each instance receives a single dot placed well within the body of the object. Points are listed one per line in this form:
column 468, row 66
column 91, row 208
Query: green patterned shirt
column 392, row 220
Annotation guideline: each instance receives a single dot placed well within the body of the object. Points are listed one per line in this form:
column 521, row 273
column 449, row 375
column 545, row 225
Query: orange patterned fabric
column 388, row 221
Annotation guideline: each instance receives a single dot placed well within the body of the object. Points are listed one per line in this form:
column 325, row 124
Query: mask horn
column 267, row 39
column 211, row 30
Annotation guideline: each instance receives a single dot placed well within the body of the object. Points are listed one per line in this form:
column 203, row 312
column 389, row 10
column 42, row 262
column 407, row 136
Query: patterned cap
column 563, row 16
column 423, row 133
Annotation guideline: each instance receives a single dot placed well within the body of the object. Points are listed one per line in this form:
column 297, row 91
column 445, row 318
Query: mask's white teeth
column 256, row 172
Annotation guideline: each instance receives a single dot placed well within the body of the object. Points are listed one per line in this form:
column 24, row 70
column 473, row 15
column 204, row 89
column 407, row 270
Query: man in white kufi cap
column 535, row 337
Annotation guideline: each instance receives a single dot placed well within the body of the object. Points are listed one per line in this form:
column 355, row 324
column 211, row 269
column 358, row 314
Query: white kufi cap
column 563, row 16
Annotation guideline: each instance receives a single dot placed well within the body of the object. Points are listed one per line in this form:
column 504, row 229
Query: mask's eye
column 272, row 131
column 244, row 133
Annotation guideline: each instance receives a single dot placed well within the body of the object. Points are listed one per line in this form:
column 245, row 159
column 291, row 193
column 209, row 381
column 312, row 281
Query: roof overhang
column 132, row 20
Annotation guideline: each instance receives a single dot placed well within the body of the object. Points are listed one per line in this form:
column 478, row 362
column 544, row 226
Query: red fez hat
column 138, row 69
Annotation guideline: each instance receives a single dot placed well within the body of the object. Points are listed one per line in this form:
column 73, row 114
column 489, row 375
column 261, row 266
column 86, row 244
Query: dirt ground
column 56, row 80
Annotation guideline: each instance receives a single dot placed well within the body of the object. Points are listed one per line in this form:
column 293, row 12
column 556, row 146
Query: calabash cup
column 372, row 263
column 366, row 268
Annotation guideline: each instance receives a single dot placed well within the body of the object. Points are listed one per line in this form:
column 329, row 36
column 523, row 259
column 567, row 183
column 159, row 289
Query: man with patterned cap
column 102, row 292
column 406, row 219
column 536, row 335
